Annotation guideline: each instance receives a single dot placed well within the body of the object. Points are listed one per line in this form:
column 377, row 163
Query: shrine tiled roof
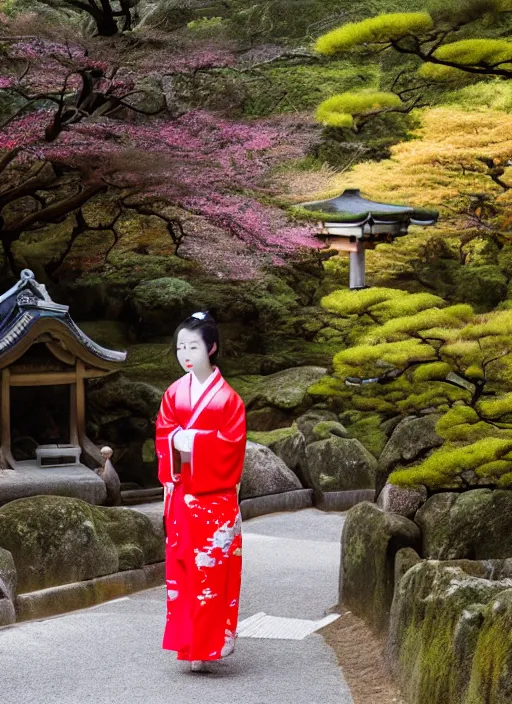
column 351, row 207
column 28, row 303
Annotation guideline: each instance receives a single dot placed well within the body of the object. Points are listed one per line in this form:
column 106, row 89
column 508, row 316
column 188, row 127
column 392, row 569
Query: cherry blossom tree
column 71, row 133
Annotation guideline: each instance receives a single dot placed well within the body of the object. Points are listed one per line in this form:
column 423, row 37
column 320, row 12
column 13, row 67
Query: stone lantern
column 351, row 223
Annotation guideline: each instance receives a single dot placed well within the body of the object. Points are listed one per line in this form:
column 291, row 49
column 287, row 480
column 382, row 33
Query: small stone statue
column 110, row 477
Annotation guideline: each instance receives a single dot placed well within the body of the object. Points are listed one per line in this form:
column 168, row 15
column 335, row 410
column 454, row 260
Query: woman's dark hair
column 205, row 324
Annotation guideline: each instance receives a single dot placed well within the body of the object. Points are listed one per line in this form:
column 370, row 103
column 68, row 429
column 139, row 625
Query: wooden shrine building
column 45, row 360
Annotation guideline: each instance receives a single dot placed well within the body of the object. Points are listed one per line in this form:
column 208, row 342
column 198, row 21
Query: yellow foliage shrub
column 400, row 328
column 444, row 467
column 339, row 110
column 431, row 372
column 373, row 30
column 477, row 52
column 494, row 408
column 345, row 302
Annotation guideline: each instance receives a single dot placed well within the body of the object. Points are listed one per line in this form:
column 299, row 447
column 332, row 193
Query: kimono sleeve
column 217, row 456
column 166, row 423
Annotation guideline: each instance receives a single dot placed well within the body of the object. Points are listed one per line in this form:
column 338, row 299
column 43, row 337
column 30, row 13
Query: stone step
column 139, row 496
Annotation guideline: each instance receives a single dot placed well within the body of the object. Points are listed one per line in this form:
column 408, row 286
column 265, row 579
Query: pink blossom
column 211, row 166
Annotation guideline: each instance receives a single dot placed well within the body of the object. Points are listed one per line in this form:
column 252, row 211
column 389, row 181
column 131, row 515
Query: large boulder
column 370, row 541
column 286, row 390
column 412, row 438
column 290, row 446
column 8, row 581
column 402, row 500
column 449, row 638
column 476, row 525
column 264, row 473
column 340, row 464
column 56, row 540
column 116, row 396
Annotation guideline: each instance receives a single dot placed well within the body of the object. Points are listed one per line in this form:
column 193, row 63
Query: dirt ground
column 360, row 655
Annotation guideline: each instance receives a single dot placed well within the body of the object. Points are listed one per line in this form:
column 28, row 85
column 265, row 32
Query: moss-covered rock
column 268, row 419
column 449, row 639
column 309, row 420
column 8, row 576
column 340, row 464
column 117, row 393
column 161, row 304
column 402, row 500
column 287, row 390
column 367, row 428
column 370, row 541
column 490, row 675
column 288, row 444
column 56, row 540
column 264, row 473
column 474, row 525
column 8, row 581
column 411, row 439
column 329, row 428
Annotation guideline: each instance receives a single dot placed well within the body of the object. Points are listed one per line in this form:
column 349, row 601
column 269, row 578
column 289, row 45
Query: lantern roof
column 27, row 313
column 352, row 208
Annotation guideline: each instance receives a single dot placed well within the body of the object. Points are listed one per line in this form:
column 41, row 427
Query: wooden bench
column 58, row 455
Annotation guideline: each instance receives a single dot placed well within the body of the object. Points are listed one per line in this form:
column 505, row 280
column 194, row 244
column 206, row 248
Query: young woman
column 200, row 442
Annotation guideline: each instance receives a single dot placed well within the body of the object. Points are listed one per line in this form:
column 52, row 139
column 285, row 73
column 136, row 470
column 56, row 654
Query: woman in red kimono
column 200, row 443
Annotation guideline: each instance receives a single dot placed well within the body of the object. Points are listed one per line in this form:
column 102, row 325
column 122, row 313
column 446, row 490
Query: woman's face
column 192, row 352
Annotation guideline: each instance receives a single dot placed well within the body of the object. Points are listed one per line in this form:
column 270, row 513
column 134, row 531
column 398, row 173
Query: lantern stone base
column 77, row 481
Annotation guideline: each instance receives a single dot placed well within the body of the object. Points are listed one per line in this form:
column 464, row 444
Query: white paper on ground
column 261, row 625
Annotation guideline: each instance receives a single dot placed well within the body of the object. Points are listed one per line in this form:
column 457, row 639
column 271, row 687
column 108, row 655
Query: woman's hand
column 183, row 440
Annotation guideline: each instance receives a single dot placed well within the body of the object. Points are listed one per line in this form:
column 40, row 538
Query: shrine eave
column 351, row 209
column 27, row 312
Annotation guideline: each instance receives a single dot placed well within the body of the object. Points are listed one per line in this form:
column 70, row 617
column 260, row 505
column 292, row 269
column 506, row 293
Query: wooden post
column 80, row 398
column 89, row 450
column 5, row 419
column 357, row 269
column 73, row 427
column 6, row 411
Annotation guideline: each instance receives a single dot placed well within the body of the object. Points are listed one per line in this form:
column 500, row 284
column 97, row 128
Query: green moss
column 436, row 636
column 431, row 372
column 496, row 408
column 444, row 468
column 492, row 660
column 130, row 268
column 109, row 333
column 505, row 481
column 327, row 428
column 366, row 427
column 272, row 436
column 494, row 470
column 164, row 293
column 152, row 362
column 327, row 386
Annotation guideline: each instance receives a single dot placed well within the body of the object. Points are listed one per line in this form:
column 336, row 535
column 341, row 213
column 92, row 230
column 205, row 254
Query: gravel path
column 111, row 653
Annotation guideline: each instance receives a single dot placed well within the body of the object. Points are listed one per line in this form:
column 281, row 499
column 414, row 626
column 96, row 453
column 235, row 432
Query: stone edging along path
column 79, row 595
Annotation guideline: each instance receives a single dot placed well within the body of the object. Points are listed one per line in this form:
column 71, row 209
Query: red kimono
column 202, row 517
